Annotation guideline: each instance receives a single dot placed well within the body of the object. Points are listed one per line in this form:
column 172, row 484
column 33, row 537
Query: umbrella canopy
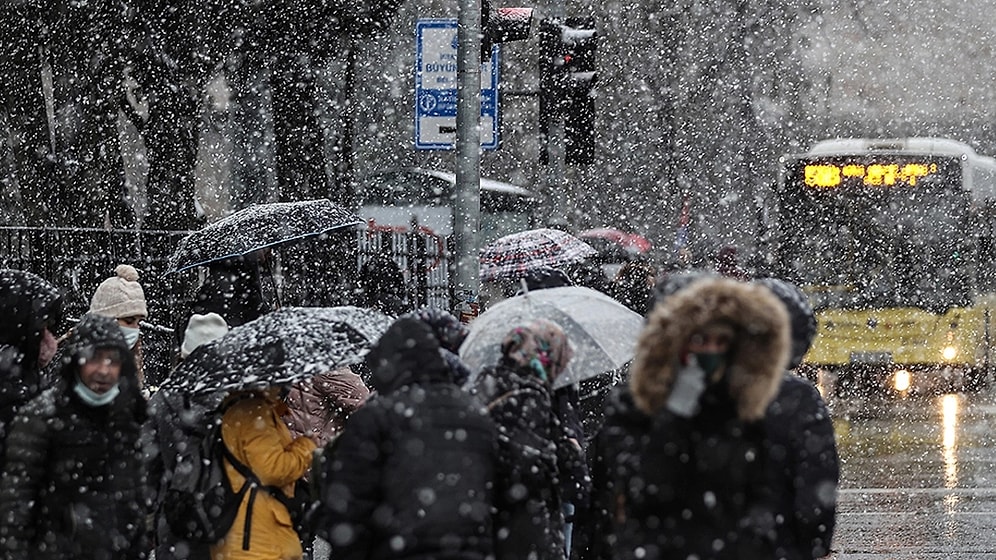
column 602, row 331
column 511, row 256
column 259, row 227
column 281, row 347
column 632, row 242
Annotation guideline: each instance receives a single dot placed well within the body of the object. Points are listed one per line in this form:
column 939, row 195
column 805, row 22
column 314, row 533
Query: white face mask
column 130, row 335
column 91, row 397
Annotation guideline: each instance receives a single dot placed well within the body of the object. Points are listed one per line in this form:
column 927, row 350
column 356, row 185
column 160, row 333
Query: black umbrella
column 259, row 227
column 281, row 347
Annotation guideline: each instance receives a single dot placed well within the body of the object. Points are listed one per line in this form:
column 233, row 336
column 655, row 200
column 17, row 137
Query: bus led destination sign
column 829, row 175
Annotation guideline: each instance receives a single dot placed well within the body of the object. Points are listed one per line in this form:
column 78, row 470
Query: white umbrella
column 601, row 330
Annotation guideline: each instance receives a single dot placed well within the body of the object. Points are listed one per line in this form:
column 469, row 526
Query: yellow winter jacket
column 255, row 434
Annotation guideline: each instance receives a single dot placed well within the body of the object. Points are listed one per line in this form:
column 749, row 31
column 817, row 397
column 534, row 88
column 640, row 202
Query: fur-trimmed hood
column 758, row 356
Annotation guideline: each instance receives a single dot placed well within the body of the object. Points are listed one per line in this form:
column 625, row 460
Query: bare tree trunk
column 345, row 191
column 171, row 142
column 300, row 153
column 29, row 185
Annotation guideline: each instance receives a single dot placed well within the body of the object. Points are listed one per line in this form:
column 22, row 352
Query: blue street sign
column 436, row 88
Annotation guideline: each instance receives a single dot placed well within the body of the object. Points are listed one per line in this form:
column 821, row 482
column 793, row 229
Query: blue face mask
column 92, row 398
column 130, row 335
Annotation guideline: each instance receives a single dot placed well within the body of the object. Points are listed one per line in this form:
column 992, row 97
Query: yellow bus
column 893, row 241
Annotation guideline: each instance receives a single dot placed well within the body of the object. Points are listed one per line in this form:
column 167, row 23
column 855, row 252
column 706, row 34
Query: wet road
column 918, row 478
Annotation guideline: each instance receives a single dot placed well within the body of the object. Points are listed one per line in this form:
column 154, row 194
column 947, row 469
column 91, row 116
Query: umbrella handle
column 263, row 264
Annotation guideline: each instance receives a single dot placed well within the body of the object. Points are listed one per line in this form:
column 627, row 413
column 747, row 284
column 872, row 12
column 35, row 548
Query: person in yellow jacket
column 253, row 431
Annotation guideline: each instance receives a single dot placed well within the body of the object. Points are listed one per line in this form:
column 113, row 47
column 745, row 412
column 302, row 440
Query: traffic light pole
column 556, row 186
column 467, row 206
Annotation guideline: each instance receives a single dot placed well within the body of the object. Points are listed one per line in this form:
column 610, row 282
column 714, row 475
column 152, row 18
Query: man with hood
column 411, row 474
column 32, row 309
column 803, row 466
column 680, row 463
column 73, row 483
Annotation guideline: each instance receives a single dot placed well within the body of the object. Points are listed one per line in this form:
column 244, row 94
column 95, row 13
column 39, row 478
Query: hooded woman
column 680, row 466
column 73, row 483
column 804, row 469
column 535, row 450
column 32, row 309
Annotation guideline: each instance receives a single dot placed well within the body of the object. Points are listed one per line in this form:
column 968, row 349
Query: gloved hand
column 689, row 383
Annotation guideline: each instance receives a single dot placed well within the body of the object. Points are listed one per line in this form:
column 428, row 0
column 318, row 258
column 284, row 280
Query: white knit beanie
column 202, row 329
column 120, row 296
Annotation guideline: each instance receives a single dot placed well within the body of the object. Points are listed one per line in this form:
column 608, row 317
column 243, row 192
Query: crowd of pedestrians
column 708, row 447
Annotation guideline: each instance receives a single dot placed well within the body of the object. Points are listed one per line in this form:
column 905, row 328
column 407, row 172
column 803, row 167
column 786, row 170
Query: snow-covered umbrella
column 259, row 227
column 281, row 347
column 601, row 330
column 513, row 255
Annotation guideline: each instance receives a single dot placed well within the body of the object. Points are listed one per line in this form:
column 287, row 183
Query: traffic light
column 567, row 78
column 501, row 25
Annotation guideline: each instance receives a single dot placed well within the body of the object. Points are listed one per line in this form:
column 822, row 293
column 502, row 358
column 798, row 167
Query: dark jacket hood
column 757, row 358
column 406, row 353
column 802, row 319
column 97, row 331
column 28, row 304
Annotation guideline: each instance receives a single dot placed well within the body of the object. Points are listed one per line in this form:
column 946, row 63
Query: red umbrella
column 630, row 241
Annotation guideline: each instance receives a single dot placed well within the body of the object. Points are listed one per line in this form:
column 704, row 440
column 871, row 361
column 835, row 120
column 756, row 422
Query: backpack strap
column 502, row 398
column 254, row 485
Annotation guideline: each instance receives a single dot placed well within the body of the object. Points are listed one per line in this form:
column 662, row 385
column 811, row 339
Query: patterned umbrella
column 601, row 330
column 281, row 347
column 513, row 255
column 259, row 227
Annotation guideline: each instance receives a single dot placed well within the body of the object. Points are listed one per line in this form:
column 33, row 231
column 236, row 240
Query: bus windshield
column 863, row 232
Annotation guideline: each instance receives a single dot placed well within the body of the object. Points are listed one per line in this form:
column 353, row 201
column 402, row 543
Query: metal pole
column 556, row 186
column 467, row 207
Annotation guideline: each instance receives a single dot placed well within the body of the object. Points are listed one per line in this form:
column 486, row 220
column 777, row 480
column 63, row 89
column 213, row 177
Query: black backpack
column 200, row 504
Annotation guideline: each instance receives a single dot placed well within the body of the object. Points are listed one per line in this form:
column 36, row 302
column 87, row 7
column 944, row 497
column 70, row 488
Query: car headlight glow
column 949, row 352
column 901, row 380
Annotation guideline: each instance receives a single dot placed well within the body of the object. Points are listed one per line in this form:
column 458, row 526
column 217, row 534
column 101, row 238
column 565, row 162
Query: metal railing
column 319, row 272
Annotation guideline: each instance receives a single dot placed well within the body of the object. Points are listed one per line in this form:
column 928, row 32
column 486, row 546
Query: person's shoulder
column 245, row 407
column 796, row 395
column 40, row 409
column 795, row 386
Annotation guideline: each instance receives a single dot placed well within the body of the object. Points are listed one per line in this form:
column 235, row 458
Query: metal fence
column 323, row 271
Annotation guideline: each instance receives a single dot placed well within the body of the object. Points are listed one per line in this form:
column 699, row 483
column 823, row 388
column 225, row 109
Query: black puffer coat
column 28, row 304
column 73, row 484
column 535, row 455
column 803, row 470
column 411, row 474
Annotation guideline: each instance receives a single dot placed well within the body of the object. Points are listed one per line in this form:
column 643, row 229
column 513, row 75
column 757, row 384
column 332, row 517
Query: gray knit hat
column 120, row 296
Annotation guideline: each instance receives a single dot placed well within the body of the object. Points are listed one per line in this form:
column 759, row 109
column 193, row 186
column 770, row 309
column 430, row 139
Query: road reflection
column 916, row 477
column 950, row 408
